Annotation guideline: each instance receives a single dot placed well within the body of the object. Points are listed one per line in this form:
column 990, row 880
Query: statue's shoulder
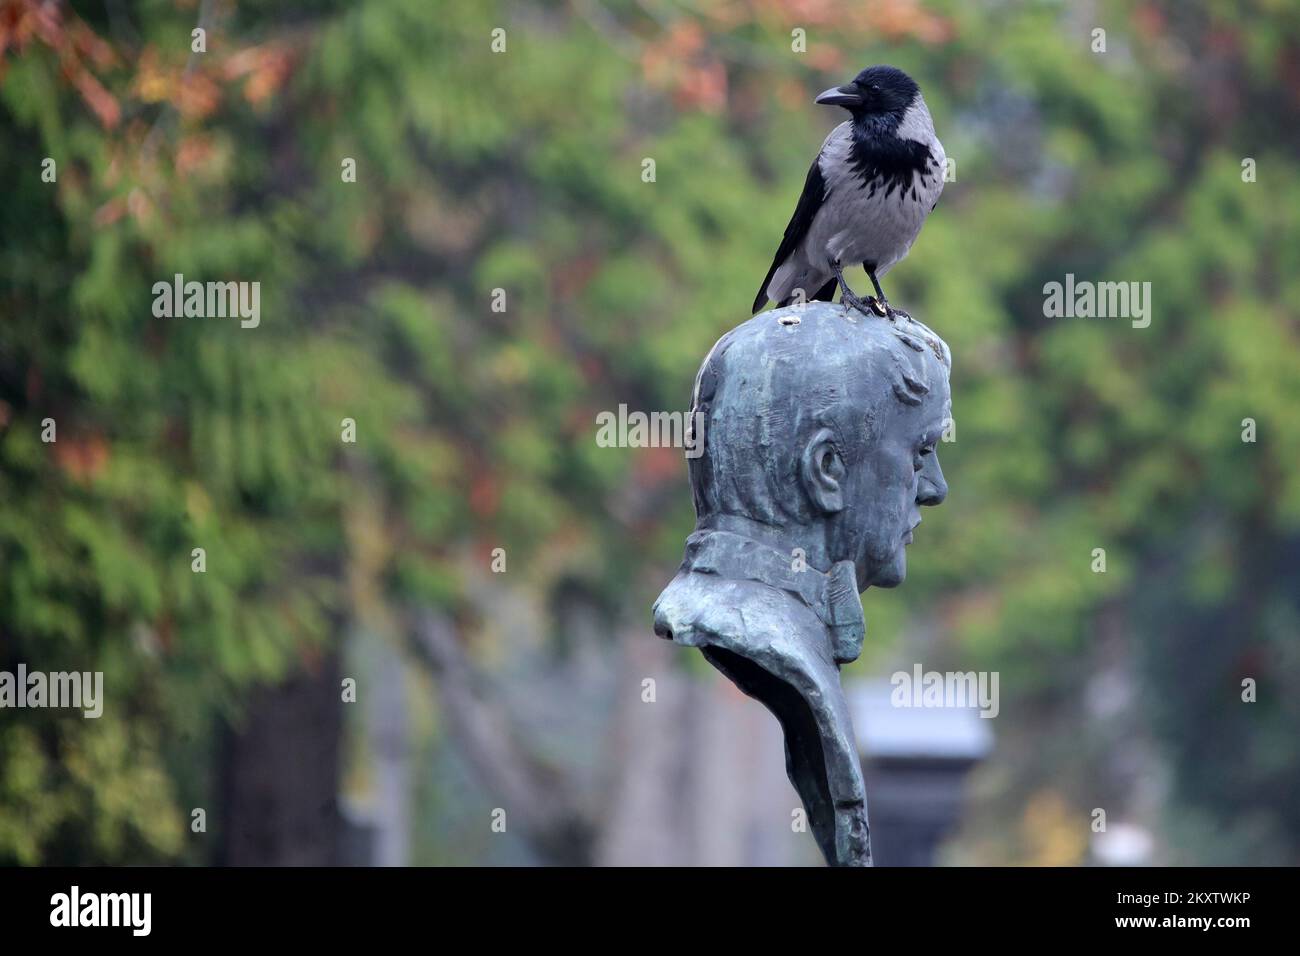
column 699, row 609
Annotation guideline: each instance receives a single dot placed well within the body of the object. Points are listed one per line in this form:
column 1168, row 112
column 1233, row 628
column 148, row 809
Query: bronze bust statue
column 820, row 443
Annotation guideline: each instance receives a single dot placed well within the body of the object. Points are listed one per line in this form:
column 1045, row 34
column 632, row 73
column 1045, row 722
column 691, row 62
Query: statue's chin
column 890, row 575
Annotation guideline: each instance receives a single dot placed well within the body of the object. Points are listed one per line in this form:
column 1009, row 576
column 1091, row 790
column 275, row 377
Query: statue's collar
column 832, row 596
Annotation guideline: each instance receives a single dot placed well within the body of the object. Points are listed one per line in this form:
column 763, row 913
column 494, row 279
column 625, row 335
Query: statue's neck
column 811, row 540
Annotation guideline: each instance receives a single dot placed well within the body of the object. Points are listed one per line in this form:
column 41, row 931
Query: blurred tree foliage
column 521, row 171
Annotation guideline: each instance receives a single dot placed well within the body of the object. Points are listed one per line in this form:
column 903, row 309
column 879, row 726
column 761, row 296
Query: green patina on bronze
column 819, row 447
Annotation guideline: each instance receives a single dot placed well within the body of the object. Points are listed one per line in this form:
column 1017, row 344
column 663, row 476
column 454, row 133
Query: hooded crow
column 877, row 177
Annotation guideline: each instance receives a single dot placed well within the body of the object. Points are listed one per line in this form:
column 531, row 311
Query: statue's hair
column 770, row 383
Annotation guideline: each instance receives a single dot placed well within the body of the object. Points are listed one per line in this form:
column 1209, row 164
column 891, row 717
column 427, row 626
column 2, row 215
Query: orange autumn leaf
column 152, row 84
column 102, row 103
column 73, row 42
column 484, row 495
column 110, row 212
column 193, row 153
column 82, row 457
column 266, row 68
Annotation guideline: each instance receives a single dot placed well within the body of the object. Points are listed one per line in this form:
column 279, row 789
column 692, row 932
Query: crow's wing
column 814, row 193
column 825, row 294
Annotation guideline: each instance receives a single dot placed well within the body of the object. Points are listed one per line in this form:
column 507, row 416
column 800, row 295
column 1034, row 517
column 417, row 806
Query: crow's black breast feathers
column 887, row 162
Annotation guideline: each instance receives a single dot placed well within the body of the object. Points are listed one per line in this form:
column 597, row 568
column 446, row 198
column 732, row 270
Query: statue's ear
column 822, row 472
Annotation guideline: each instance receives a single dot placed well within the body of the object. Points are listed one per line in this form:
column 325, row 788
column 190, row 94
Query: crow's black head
column 876, row 90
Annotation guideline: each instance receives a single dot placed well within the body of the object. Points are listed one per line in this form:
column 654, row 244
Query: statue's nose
column 931, row 489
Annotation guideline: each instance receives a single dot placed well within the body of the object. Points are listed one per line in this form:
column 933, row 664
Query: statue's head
column 821, row 432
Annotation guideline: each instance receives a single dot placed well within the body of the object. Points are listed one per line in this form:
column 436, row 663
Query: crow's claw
column 866, row 306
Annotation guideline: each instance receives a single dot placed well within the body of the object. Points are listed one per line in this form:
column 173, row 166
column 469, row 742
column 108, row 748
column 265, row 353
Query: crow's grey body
column 869, row 191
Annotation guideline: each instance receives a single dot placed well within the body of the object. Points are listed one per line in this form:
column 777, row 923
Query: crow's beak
column 846, row 96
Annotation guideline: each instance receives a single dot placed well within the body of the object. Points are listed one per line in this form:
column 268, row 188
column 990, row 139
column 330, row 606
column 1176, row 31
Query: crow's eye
column 875, row 88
